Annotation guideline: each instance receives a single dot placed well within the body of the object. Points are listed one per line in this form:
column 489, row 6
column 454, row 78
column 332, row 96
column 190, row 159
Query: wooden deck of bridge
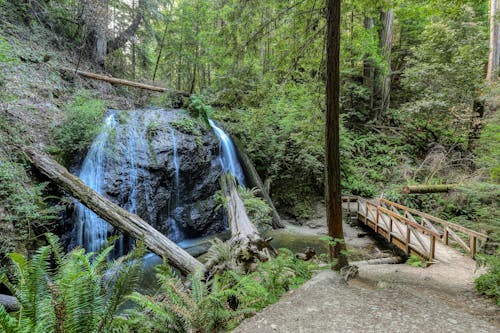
column 415, row 232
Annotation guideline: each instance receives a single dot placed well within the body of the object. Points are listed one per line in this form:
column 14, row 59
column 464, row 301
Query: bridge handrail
column 438, row 220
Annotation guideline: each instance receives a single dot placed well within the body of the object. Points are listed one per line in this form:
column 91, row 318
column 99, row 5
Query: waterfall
column 228, row 156
column 91, row 230
column 176, row 165
column 176, row 234
column 138, row 161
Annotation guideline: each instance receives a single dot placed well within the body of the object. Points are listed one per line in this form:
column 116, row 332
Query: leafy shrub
column 82, row 124
column 199, row 109
column 25, row 210
column 82, row 293
column 257, row 209
column 489, row 283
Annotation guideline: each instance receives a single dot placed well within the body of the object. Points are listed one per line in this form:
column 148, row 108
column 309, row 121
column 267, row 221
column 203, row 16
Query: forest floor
column 383, row 298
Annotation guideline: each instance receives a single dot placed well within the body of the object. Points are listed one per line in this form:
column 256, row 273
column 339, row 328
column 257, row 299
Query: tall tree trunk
column 95, row 14
column 162, row 44
column 493, row 59
column 369, row 68
column 333, row 194
column 385, row 44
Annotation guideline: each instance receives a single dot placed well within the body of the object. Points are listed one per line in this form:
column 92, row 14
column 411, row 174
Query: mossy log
column 254, row 180
column 114, row 214
column 422, row 189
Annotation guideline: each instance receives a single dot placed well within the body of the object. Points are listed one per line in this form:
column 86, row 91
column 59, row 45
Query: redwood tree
column 333, row 192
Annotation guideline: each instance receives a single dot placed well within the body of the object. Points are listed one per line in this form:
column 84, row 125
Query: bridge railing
column 402, row 231
column 447, row 231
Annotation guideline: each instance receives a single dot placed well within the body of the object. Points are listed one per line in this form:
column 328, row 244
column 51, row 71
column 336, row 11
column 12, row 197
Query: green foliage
column 81, row 125
column 82, row 292
column 488, row 150
column 489, row 283
column 444, row 75
column 257, row 208
column 24, row 209
column 415, row 261
column 199, row 109
column 202, row 308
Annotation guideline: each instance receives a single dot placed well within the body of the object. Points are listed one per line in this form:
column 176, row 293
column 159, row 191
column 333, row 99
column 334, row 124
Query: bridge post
column 376, row 220
column 446, row 235
column 473, row 246
column 432, row 248
column 408, row 236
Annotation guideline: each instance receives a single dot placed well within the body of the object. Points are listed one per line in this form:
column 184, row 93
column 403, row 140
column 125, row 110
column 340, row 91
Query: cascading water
column 92, row 231
column 176, row 233
column 228, row 156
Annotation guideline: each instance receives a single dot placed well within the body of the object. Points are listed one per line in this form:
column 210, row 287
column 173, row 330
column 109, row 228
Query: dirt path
column 327, row 304
column 384, row 298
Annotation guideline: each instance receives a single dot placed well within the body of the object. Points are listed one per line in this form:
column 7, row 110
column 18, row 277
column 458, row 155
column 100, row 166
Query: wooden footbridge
column 414, row 232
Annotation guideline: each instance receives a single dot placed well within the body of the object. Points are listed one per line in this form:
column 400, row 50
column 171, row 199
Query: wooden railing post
column 445, row 235
column 389, row 234
column 473, row 246
column 376, row 220
column 408, row 236
column 432, row 249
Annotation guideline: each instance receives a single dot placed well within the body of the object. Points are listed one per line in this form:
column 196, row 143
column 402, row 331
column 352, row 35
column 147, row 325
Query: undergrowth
column 81, row 125
column 489, row 283
column 217, row 305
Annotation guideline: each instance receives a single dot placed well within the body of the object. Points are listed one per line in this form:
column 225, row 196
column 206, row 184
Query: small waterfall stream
column 176, row 234
column 228, row 155
column 91, row 230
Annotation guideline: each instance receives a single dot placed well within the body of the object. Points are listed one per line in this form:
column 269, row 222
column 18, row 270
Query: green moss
column 82, row 123
column 188, row 125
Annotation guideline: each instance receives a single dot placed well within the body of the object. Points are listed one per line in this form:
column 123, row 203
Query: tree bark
column 384, row 80
column 333, row 191
column 441, row 188
column 256, row 181
column 493, row 59
column 114, row 214
column 95, row 15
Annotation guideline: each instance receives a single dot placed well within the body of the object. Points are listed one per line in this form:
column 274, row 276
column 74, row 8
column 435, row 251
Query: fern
column 81, row 293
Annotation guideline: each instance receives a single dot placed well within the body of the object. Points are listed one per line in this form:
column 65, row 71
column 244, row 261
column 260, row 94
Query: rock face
column 165, row 167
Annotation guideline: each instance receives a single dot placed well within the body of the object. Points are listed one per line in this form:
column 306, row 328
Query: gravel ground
column 327, row 304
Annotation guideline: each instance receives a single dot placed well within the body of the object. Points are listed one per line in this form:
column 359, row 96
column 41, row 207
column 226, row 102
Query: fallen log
column 255, row 181
column 9, row 303
column 244, row 234
column 114, row 214
column 421, row 189
column 114, row 80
